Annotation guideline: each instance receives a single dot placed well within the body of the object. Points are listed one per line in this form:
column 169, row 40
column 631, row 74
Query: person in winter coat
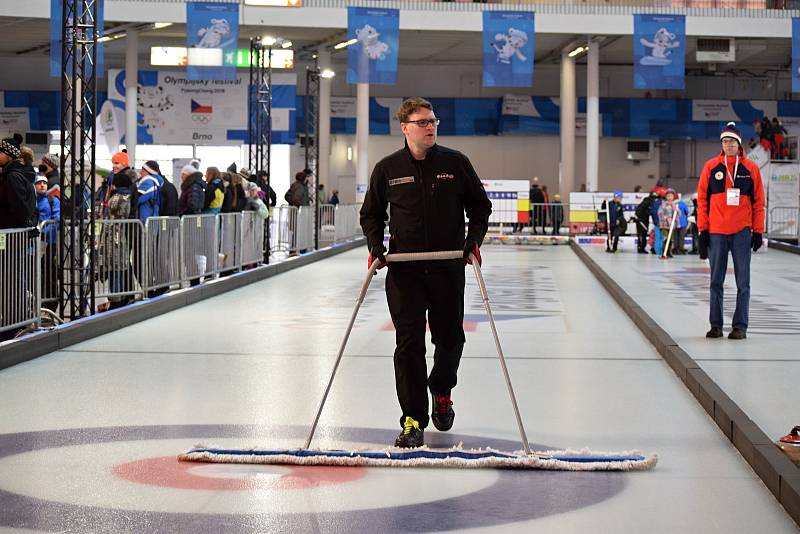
column 49, row 167
column 427, row 189
column 168, row 195
column 334, row 197
column 17, row 197
column 556, row 213
column 254, row 202
column 120, row 165
column 215, row 191
column 537, row 205
column 682, row 226
column 193, row 191
column 643, row 222
column 262, row 180
column 730, row 218
column 149, row 193
column 668, row 219
column 49, row 210
column 114, row 254
column 617, row 225
column 297, row 195
column 235, row 198
column 654, row 207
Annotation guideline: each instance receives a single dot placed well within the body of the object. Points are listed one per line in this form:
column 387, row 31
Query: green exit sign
column 281, row 59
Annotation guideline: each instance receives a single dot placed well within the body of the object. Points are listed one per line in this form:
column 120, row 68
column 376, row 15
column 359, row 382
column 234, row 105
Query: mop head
column 567, row 460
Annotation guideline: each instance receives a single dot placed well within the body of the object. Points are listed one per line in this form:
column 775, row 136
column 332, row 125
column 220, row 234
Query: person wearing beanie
column 49, row 167
column 121, row 166
column 297, row 195
column 193, row 191
column 149, row 187
column 17, row 197
column 114, row 250
column 730, row 218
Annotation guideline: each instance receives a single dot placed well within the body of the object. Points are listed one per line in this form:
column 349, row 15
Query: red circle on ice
column 167, row 471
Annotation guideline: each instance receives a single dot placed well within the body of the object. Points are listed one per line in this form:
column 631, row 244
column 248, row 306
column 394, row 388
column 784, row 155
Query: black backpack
column 168, row 201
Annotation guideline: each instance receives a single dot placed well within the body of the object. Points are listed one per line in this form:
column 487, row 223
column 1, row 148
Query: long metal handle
column 485, row 297
column 415, row 256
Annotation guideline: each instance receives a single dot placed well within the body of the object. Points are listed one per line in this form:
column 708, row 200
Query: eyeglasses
column 423, row 123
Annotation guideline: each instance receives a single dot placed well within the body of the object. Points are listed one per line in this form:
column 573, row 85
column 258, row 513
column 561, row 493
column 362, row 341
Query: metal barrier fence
column 19, row 278
column 119, row 268
column 283, row 225
column 782, row 222
column 304, row 234
column 548, row 218
column 49, row 243
column 252, row 233
column 230, row 242
column 326, row 221
column 199, row 246
column 346, row 221
column 132, row 259
column 162, row 257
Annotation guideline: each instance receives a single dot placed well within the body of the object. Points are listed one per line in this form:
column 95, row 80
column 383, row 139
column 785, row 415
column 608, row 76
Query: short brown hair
column 410, row 106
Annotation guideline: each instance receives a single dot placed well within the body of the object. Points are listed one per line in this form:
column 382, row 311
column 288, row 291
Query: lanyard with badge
column 733, row 193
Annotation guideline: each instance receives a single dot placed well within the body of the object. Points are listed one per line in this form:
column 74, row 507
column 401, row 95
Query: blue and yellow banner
column 56, row 18
column 508, row 47
column 212, row 36
column 659, row 49
column 372, row 58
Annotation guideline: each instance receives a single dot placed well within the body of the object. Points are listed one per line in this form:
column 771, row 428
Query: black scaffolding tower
column 79, row 34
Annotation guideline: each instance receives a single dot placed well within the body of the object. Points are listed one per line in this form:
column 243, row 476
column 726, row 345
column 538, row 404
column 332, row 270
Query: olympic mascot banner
column 372, row 58
column 508, row 47
column 212, row 36
column 659, row 47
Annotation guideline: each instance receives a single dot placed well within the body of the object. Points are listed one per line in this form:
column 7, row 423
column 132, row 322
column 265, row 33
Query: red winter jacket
column 713, row 212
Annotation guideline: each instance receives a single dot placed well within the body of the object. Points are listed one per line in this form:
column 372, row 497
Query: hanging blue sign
column 508, row 47
column 795, row 55
column 212, row 38
column 372, row 58
column 659, row 49
column 56, row 18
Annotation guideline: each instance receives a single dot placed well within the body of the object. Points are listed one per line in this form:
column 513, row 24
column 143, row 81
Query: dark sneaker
column 737, row 333
column 714, row 332
column 411, row 436
column 442, row 413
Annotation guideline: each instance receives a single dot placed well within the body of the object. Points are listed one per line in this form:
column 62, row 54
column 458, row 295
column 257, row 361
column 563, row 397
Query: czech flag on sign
column 200, row 108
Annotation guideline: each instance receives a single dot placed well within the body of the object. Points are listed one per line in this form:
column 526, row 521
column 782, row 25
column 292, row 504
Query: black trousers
column 641, row 236
column 411, row 291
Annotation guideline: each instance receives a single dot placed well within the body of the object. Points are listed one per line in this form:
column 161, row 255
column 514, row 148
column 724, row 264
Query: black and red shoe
column 442, row 414
column 792, row 438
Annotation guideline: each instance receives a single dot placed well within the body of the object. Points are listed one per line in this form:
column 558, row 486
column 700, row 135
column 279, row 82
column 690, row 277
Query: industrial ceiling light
column 268, row 40
column 286, row 43
column 327, row 73
column 160, row 25
column 344, row 44
column 580, row 50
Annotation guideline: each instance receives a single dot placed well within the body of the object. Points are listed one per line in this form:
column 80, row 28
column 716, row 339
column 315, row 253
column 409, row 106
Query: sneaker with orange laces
column 442, row 414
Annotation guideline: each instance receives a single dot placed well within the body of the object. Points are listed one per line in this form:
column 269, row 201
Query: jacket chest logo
column 401, row 180
column 719, row 175
column 445, row 176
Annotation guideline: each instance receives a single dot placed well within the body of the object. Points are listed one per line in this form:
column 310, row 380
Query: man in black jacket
column 17, row 195
column 643, row 221
column 428, row 188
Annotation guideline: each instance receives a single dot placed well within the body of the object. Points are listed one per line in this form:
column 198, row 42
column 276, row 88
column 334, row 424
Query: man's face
column 4, row 159
column 420, row 137
column 117, row 166
column 41, row 187
column 730, row 146
column 142, row 173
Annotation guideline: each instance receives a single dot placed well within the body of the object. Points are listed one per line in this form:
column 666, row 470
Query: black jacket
column 193, row 193
column 169, row 200
column 17, row 196
column 427, row 200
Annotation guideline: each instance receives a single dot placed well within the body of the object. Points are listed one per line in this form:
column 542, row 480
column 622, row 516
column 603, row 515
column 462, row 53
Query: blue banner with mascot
column 659, row 49
column 508, row 48
column 212, row 38
column 375, row 34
